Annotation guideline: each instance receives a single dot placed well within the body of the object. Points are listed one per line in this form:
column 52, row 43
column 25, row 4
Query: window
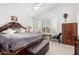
column 46, row 25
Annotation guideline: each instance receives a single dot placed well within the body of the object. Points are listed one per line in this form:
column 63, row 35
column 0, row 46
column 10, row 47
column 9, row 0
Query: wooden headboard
column 11, row 25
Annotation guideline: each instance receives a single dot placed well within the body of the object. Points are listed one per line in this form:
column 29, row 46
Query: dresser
column 69, row 30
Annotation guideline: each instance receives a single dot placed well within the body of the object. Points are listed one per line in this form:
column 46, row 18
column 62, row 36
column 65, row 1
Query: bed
column 26, row 43
column 21, row 43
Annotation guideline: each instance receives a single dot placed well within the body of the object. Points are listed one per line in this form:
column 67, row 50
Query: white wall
column 56, row 16
column 5, row 16
column 78, row 17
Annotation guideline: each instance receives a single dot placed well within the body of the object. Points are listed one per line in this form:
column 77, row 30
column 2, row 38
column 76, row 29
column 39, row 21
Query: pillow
column 9, row 31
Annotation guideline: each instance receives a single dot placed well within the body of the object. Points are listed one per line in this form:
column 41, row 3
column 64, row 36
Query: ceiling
column 28, row 9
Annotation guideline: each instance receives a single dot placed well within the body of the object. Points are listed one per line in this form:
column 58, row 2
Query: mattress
column 18, row 40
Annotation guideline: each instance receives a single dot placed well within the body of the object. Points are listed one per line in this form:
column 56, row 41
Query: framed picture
column 14, row 18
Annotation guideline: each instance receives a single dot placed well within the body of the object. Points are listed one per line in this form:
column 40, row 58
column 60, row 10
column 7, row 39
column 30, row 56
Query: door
column 68, row 31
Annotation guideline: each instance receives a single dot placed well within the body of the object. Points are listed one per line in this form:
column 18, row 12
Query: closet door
column 69, row 30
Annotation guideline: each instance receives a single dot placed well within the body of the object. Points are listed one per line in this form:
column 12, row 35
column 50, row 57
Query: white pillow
column 9, row 31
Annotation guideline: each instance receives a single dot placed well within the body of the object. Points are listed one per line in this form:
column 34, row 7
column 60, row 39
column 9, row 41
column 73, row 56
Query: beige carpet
column 60, row 49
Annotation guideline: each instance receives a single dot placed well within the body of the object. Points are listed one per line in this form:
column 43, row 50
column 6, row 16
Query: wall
column 5, row 17
column 56, row 16
column 78, row 17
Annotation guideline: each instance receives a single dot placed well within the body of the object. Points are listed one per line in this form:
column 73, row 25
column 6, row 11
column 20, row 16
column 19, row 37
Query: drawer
column 69, row 41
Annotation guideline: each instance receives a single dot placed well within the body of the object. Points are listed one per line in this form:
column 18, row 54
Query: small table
column 46, row 35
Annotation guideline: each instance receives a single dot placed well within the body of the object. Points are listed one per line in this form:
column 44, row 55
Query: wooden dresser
column 69, row 30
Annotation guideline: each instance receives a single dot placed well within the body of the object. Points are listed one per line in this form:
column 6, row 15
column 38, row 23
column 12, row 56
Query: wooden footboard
column 36, row 48
column 40, row 49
